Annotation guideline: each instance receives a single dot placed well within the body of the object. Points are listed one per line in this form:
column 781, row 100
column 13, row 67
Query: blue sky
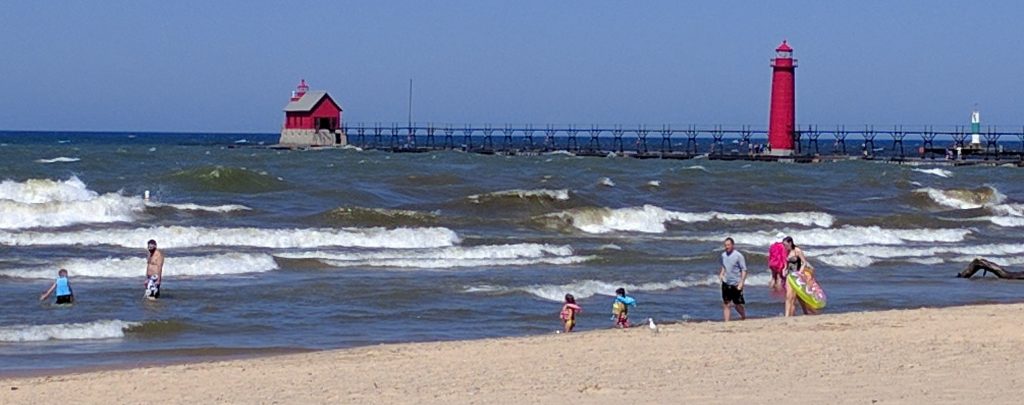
column 226, row 66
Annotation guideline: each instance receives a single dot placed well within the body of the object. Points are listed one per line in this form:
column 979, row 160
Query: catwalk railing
column 664, row 141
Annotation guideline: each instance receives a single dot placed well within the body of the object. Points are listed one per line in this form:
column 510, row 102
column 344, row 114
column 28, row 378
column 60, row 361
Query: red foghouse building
column 312, row 118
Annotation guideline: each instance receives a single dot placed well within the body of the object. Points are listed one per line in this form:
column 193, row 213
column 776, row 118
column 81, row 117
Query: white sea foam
column 39, row 191
column 38, row 203
column 697, row 167
column 181, row 236
column 558, row 195
column 654, row 183
column 448, row 257
column 607, row 182
column 652, row 219
column 588, row 288
column 935, row 172
column 61, row 159
column 105, row 329
column 106, row 208
column 1009, row 222
column 849, row 236
column 963, row 199
column 867, row 255
column 134, row 267
column 196, row 207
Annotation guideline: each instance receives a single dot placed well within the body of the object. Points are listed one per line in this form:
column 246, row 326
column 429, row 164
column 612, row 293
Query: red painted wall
column 307, row 120
column 782, row 121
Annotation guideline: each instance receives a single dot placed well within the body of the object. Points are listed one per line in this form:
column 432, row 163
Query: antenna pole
column 410, row 103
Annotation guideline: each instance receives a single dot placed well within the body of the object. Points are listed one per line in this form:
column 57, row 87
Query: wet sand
column 952, row 355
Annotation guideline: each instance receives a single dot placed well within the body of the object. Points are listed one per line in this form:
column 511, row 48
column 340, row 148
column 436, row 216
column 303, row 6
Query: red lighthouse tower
column 782, row 121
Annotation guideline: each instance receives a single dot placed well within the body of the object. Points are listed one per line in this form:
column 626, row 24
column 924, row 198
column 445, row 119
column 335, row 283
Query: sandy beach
column 949, row 355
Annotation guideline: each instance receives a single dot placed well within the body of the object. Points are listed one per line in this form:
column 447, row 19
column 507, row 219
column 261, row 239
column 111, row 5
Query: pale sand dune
column 954, row 355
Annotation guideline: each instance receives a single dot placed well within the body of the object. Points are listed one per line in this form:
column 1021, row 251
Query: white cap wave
column 557, row 195
column 37, row 203
column 135, row 267
column 104, row 329
column 847, row 236
column 182, row 236
column 964, row 199
column 652, row 219
column 448, row 257
column 45, row 203
column 864, row 256
column 588, row 288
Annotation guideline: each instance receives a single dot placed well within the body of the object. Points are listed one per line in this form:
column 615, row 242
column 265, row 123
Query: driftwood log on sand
column 988, row 266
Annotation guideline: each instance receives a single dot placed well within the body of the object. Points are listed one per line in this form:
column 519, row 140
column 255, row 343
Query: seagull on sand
column 651, row 325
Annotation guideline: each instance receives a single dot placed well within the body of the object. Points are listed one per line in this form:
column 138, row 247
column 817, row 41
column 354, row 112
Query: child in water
column 569, row 311
column 63, row 289
column 620, row 308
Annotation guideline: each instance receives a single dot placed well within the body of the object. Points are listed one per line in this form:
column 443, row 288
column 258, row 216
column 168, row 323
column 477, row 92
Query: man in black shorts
column 732, row 274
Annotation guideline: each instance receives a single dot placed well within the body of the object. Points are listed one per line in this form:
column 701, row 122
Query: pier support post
column 617, row 141
column 549, row 137
column 840, row 139
column 449, row 140
column 394, row 136
column 814, row 134
column 992, row 141
column 572, row 144
column 528, row 134
column 869, row 141
column 641, row 139
column 595, row 142
column 378, row 137
column 488, row 138
column 928, row 142
column 691, row 140
column 507, row 138
column 897, row 141
column 666, row 139
column 430, row 135
column 467, row 138
column 717, row 147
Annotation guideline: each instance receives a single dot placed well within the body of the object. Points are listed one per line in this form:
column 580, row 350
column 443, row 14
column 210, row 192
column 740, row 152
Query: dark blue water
column 273, row 250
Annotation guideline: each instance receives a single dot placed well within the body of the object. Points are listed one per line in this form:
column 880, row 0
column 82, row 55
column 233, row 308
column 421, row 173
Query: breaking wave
column 588, row 288
column 935, row 172
column 181, row 236
column 652, row 219
column 196, row 207
column 964, row 199
column 449, row 257
column 850, row 236
column 105, row 329
column 60, row 159
column 37, row 203
column 539, row 194
column 175, row 266
column 864, row 256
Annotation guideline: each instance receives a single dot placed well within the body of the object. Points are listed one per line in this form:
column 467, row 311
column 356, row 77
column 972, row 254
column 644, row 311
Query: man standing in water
column 154, row 271
column 733, row 274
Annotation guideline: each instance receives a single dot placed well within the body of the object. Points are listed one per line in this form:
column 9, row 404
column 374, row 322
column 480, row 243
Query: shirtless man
column 154, row 271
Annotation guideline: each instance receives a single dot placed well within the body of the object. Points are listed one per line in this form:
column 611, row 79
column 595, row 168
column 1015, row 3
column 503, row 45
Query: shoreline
column 909, row 355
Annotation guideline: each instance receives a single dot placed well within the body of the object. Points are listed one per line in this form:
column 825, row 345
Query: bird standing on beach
column 651, row 325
